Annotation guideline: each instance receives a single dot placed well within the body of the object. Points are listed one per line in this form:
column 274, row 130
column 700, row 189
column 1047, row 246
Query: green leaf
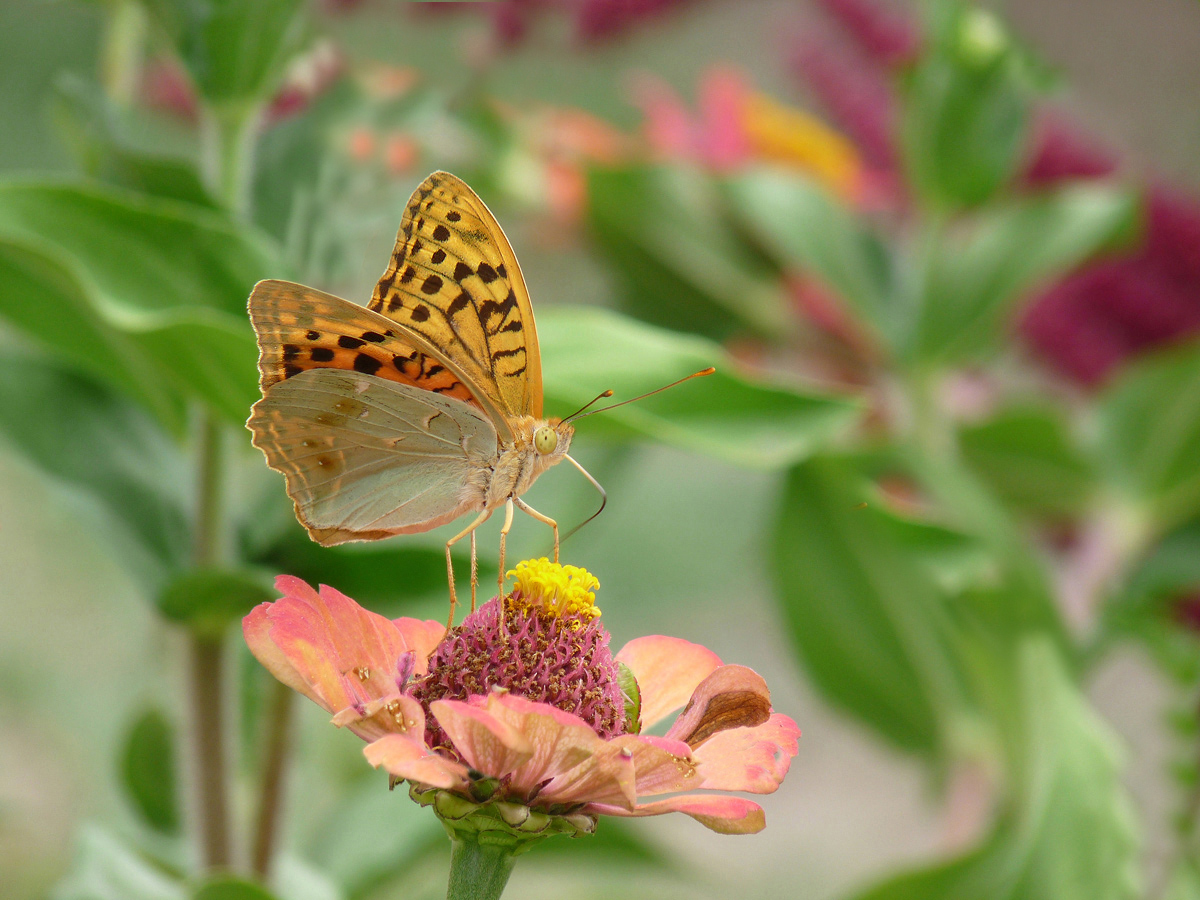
column 96, row 132
column 85, row 435
column 977, row 274
column 235, row 52
column 632, row 695
column 148, row 771
column 1026, row 455
column 209, row 600
column 223, row 888
column 1149, row 435
column 965, row 112
column 106, row 868
column 148, row 293
column 585, row 351
column 868, row 622
column 1068, row 832
column 807, row 229
column 676, row 257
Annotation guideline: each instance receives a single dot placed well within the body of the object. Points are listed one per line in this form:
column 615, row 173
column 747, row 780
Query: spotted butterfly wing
column 453, row 278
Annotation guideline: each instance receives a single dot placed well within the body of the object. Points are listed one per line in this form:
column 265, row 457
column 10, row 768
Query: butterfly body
column 421, row 408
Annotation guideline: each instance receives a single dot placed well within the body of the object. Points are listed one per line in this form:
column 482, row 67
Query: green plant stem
column 478, row 871
column 274, row 772
column 227, row 138
column 208, row 735
column 121, row 51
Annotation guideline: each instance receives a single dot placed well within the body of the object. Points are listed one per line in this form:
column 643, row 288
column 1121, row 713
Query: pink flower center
column 560, row 659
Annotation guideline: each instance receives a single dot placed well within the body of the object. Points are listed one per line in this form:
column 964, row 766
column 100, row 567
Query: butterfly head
column 551, row 439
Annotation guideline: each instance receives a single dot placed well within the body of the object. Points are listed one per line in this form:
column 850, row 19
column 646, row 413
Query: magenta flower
column 526, row 724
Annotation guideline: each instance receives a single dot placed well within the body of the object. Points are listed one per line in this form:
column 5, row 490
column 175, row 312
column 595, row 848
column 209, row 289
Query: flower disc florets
column 548, row 646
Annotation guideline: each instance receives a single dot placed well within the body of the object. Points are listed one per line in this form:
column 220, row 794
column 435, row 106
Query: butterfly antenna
column 586, row 405
column 596, row 485
column 582, row 415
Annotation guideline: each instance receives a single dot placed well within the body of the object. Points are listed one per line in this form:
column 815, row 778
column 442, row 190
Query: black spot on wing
column 321, row 354
column 500, row 354
column 439, row 256
column 431, row 285
column 290, row 370
column 420, row 313
column 313, row 335
column 462, row 272
column 409, row 272
column 514, row 325
column 441, row 233
column 368, row 365
column 350, row 343
column 373, row 336
column 459, row 303
column 486, row 273
column 290, row 352
column 453, row 216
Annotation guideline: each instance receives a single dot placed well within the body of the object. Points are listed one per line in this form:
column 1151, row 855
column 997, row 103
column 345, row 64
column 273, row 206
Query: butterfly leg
column 544, row 519
column 470, row 529
column 474, row 571
column 508, row 520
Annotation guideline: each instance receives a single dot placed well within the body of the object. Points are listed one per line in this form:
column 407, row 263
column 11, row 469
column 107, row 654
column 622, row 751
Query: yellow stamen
column 558, row 590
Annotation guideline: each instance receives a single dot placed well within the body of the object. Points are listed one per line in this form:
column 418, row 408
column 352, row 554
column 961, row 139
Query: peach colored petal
column 725, row 815
column 667, row 670
column 256, row 629
column 422, row 637
column 487, row 744
column 397, row 714
column 724, row 144
column 326, row 646
column 607, row 776
column 748, row 759
column 403, row 756
column 560, row 740
column 661, row 765
column 730, row 697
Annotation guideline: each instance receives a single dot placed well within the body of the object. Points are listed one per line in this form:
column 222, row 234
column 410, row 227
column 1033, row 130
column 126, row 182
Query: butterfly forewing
column 300, row 328
column 453, row 278
column 366, row 458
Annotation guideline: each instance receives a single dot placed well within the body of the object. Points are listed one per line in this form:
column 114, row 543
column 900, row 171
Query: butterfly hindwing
column 453, row 278
column 366, row 458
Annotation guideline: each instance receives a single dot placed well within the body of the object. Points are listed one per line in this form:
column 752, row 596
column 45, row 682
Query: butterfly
column 423, row 407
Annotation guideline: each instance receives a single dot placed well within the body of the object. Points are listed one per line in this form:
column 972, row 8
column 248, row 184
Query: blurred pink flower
column 735, row 125
column 882, row 32
column 1061, row 152
column 528, row 710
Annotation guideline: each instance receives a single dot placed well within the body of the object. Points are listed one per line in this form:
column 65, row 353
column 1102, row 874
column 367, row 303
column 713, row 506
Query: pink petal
column 660, row 765
column 667, row 670
column 486, row 743
column 730, row 697
column 748, row 759
column 422, row 637
column 724, row 144
column 325, row 645
column 667, row 126
column 725, row 815
column 397, row 714
column 405, row 757
column 608, row 776
column 559, row 739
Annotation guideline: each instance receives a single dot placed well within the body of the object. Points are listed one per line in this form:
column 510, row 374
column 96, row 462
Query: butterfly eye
column 545, row 439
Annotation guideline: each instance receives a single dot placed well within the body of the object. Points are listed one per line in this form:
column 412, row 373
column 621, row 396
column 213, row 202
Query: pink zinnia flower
column 520, row 720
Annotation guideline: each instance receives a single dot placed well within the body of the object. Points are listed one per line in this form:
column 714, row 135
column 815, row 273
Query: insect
column 425, row 406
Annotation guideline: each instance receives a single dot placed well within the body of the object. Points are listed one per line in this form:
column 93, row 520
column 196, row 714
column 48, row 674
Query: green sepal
column 632, row 694
column 512, row 826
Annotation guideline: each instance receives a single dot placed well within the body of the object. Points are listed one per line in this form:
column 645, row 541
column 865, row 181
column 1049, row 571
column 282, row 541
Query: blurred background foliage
column 943, row 491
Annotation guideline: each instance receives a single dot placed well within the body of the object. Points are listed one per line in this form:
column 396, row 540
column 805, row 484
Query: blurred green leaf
column 808, row 230
column 867, row 621
column 208, row 600
column 85, row 435
column 235, row 52
column 676, row 258
column 148, row 771
column 95, row 132
column 1068, row 832
column 965, row 112
column 1029, row 460
column 975, row 277
column 223, row 888
column 106, row 868
column 586, row 350
column 1184, row 883
column 1149, row 435
column 158, row 288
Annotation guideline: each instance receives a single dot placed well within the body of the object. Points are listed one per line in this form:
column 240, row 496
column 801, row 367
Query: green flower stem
column 121, row 51
column 207, row 671
column 274, row 771
column 478, row 871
